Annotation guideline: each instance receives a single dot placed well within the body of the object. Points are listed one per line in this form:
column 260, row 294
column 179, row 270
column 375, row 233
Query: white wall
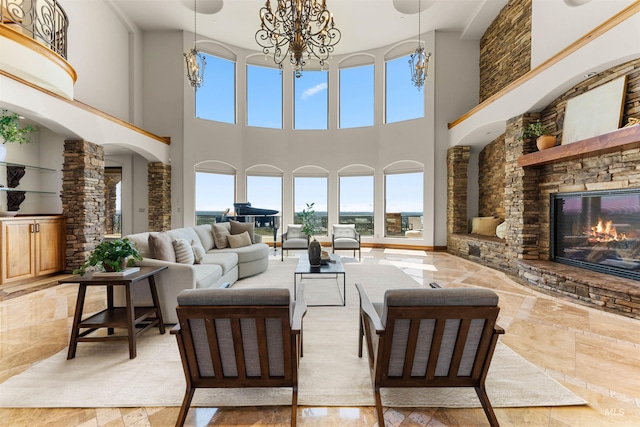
column 555, row 25
column 99, row 52
column 457, row 89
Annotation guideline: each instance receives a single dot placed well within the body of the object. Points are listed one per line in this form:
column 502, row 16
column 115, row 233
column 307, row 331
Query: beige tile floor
column 595, row 354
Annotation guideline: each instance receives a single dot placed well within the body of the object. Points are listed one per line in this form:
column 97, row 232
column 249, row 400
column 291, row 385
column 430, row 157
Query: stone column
column 82, row 199
column 457, row 165
column 521, row 204
column 159, row 185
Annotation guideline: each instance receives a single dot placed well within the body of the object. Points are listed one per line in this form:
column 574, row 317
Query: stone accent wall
column 526, row 248
column 159, row 185
column 457, row 165
column 505, row 48
column 491, row 179
column 82, row 199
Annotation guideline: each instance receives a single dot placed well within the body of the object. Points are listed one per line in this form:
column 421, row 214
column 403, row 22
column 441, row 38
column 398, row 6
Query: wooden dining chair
column 430, row 338
column 236, row 338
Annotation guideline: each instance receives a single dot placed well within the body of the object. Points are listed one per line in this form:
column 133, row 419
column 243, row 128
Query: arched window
column 357, row 85
column 215, row 191
column 264, row 97
column 310, row 185
column 356, row 192
column 403, row 192
column 216, row 98
column 402, row 100
column 311, row 103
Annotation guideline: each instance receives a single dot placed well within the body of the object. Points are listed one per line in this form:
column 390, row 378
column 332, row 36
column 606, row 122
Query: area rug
column 331, row 373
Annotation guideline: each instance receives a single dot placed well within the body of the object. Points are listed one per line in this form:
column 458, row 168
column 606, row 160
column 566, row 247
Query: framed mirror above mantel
column 625, row 138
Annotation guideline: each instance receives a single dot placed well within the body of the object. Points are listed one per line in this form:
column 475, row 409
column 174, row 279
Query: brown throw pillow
column 220, row 234
column 161, row 246
column 239, row 240
column 241, row 227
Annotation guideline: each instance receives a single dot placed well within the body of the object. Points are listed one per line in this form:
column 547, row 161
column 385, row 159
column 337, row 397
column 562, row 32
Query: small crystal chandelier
column 419, row 62
column 195, row 60
column 296, row 28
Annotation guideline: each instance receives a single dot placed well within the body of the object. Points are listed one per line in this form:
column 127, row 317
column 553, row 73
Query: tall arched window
column 357, row 96
column 402, row 100
column 403, row 192
column 310, row 186
column 216, row 98
column 264, row 191
column 311, row 104
column 356, row 192
column 215, row 191
column 264, row 97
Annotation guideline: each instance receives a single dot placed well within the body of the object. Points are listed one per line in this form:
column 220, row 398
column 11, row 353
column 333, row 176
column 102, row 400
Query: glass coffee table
column 333, row 267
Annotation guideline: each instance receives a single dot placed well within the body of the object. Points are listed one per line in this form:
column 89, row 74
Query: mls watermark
column 614, row 412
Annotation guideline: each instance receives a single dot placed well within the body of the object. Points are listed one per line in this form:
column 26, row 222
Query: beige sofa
column 217, row 266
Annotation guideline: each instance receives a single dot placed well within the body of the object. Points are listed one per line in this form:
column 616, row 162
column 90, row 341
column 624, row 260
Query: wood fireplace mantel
column 619, row 140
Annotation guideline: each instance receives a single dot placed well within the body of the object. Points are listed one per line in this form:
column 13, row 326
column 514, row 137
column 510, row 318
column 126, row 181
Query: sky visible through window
column 215, row 100
column 264, row 97
column 356, row 96
column 264, row 192
column 404, row 100
column 311, row 100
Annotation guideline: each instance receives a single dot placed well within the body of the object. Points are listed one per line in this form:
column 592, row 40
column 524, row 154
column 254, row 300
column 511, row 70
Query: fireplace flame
column 604, row 233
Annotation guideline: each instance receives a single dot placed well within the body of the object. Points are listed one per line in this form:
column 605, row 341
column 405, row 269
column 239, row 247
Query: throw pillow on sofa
column 161, row 247
column 240, row 227
column 198, row 251
column 239, row 240
column 220, row 234
column 184, row 253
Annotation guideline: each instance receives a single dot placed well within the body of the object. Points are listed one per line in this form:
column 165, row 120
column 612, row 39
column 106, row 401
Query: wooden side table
column 128, row 317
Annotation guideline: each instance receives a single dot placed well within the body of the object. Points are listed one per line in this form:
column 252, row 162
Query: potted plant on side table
column 537, row 130
column 308, row 220
column 111, row 255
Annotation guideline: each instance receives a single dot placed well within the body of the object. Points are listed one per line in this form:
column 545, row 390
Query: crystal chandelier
column 195, row 60
column 296, row 28
column 419, row 62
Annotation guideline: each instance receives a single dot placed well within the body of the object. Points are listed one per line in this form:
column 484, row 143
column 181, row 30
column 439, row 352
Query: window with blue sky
column 265, row 192
column 403, row 200
column 311, row 103
column 356, row 203
column 403, row 100
column 215, row 192
column 356, row 96
column 216, row 98
column 264, row 97
column 307, row 190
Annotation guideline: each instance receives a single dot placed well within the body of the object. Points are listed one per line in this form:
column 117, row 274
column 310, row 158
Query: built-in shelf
column 16, row 190
column 27, row 166
column 621, row 139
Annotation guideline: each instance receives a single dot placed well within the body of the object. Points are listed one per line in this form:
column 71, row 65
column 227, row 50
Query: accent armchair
column 236, row 338
column 293, row 238
column 430, row 338
column 345, row 236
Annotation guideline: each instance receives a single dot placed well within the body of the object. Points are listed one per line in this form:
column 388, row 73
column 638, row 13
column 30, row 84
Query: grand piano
column 244, row 212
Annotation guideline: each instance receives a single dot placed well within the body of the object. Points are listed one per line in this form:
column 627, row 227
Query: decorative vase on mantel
column 545, row 141
column 315, row 253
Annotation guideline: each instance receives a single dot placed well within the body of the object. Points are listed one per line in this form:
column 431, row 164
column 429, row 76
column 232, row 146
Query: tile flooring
column 593, row 353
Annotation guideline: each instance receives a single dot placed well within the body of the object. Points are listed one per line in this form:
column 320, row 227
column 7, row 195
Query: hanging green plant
column 11, row 132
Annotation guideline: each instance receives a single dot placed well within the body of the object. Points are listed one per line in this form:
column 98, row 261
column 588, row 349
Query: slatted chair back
column 433, row 338
column 235, row 338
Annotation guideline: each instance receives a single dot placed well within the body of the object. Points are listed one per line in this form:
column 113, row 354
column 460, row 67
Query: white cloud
column 313, row 90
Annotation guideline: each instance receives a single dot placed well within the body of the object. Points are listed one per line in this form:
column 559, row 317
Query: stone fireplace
column 597, row 230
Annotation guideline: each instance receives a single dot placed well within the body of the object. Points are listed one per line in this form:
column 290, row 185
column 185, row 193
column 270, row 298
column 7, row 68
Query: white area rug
column 331, row 373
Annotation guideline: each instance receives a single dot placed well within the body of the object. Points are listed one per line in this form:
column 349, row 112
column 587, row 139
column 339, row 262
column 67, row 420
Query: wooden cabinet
column 31, row 247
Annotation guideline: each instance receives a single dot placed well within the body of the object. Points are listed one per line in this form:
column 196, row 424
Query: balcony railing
column 42, row 20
